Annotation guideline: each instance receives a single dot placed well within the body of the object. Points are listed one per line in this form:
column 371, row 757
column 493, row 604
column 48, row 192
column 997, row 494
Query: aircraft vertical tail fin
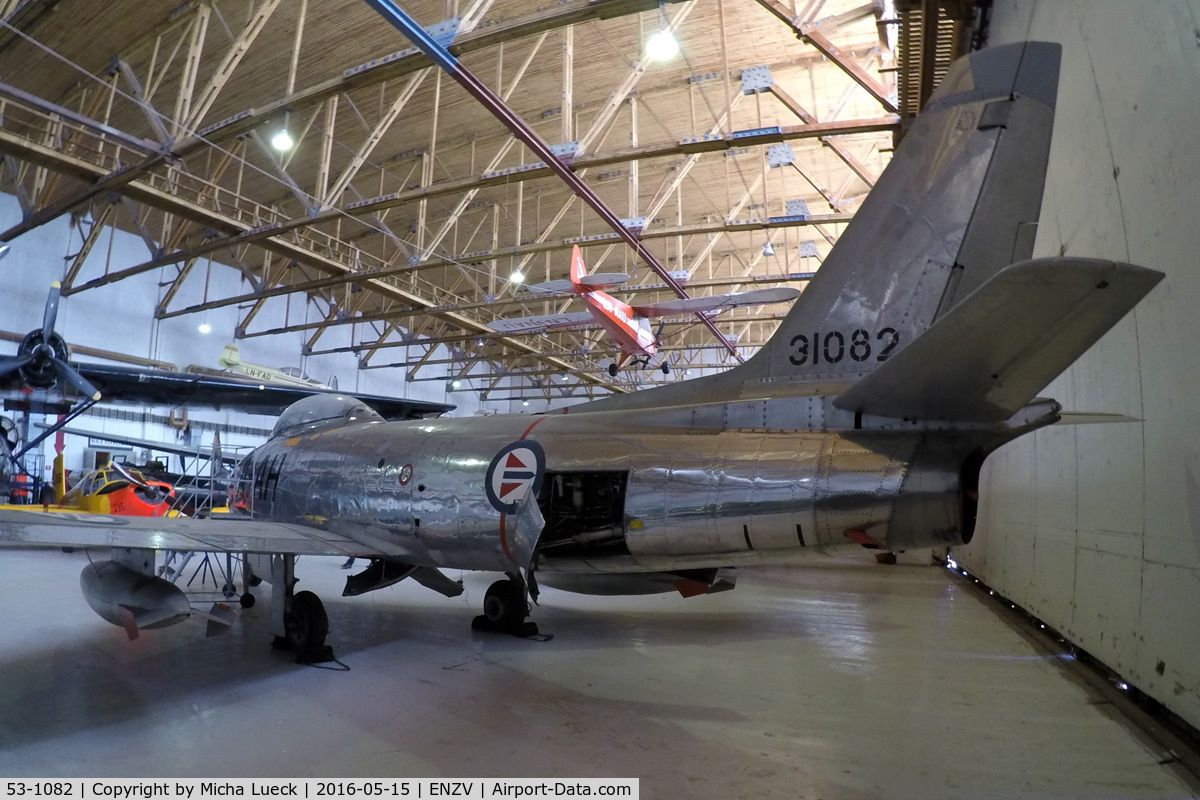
column 578, row 270
column 59, row 479
column 229, row 356
column 958, row 202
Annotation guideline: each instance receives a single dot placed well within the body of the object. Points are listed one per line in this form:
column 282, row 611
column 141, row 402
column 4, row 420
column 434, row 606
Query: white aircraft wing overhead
column 518, row 324
column 719, row 302
column 38, row 529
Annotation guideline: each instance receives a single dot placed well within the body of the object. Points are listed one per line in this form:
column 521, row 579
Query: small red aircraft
column 629, row 326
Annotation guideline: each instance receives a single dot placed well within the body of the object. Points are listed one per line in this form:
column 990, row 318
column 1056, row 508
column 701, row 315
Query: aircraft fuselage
column 619, row 491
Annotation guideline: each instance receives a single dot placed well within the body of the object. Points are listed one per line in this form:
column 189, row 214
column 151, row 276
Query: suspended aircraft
column 917, row 350
column 40, row 379
column 629, row 326
column 231, row 360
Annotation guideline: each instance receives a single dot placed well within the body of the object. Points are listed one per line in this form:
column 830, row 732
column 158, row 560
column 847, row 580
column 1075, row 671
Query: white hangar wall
column 1096, row 528
column 120, row 317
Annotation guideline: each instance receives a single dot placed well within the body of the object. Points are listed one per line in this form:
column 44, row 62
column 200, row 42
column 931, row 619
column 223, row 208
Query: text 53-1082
column 39, row 789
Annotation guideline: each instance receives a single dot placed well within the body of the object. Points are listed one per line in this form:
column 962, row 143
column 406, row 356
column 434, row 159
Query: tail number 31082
column 835, row 346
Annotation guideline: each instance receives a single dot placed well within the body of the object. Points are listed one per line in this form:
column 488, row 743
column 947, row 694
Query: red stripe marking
column 504, row 540
column 503, row 528
column 532, row 425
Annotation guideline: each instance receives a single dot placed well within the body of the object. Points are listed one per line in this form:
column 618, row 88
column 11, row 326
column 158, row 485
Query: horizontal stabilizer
column 523, row 324
column 719, row 302
column 603, row 280
column 561, row 286
column 991, row 353
column 588, row 283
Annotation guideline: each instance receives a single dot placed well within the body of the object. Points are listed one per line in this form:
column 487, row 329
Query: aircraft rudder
column 578, row 268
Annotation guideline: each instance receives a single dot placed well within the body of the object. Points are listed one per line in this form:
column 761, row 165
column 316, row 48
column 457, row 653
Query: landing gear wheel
column 666, row 368
column 306, row 624
column 247, row 600
column 612, row 370
column 885, row 558
column 504, row 605
column 505, row 610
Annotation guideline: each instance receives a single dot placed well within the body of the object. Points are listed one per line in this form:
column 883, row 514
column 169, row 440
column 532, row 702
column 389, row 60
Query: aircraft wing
column 718, row 302
column 36, row 529
column 160, row 387
column 521, row 324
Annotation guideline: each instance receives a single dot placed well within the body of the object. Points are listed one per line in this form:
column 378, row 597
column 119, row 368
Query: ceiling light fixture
column 282, row 140
column 662, row 44
column 204, row 327
column 517, row 276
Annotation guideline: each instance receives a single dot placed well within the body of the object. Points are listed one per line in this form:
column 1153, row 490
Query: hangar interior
column 401, row 219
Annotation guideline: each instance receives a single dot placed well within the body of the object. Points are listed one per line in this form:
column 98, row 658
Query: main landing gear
column 506, row 609
column 613, row 369
column 298, row 619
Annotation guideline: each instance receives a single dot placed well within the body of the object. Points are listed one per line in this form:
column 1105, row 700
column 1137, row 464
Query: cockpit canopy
column 323, row 411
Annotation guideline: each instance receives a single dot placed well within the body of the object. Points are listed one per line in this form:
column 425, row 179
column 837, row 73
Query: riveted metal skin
column 696, row 495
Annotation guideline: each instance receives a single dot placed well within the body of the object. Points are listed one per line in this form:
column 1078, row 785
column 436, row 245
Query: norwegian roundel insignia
column 514, row 473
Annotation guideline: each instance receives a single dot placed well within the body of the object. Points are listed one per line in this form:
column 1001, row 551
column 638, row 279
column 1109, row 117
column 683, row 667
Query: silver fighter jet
column 916, row 351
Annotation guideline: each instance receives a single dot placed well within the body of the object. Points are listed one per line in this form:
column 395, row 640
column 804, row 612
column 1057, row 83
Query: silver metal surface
column 794, row 454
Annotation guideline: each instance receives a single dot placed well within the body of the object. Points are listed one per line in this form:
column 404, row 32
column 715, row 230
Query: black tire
column 666, row 368
column 247, row 600
column 306, row 622
column 504, row 605
column 612, row 370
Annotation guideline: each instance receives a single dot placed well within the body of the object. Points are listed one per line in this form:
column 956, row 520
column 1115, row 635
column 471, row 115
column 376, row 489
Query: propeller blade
column 8, row 365
column 68, row 373
column 127, row 475
column 51, row 312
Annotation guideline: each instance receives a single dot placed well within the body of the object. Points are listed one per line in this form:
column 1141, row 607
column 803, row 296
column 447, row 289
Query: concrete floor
column 843, row 679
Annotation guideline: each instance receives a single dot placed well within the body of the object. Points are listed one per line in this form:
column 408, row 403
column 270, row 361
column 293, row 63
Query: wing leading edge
column 35, row 529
